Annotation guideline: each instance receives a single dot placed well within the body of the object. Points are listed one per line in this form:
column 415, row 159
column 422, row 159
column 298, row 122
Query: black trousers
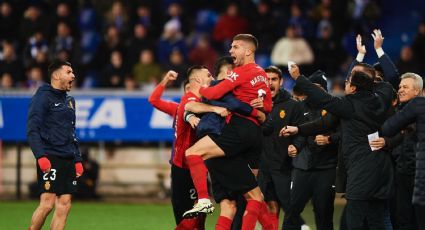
column 319, row 185
column 275, row 185
column 420, row 216
column 369, row 212
column 405, row 210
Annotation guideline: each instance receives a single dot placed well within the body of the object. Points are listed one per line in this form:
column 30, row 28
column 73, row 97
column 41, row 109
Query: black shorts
column 61, row 179
column 231, row 177
column 183, row 192
column 240, row 137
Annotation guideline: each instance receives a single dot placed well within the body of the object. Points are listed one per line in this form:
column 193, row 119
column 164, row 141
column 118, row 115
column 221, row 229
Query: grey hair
column 418, row 82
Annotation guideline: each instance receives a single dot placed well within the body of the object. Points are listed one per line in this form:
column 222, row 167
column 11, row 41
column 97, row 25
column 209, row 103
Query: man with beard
column 274, row 176
column 240, row 135
column 51, row 136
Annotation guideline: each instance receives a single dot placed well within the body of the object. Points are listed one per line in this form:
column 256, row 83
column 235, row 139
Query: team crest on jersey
column 324, row 112
column 232, row 76
column 47, row 185
column 70, row 105
column 261, row 93
column 282, row 114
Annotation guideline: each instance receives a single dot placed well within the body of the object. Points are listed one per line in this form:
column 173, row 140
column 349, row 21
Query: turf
column 105, row 216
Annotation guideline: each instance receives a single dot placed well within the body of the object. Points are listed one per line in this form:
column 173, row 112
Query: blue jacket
column 51, row 124
column 212, row 123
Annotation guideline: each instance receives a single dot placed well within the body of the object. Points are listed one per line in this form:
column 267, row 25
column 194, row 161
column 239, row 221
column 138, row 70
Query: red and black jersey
column 247, row 83
column 184, row 135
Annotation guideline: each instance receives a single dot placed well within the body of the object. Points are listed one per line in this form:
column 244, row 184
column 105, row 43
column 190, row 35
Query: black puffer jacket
column 414, row 111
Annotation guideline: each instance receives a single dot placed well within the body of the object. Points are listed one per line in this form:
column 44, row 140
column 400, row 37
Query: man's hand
column 261, row 117
column 79, row 170
column 294, row 71
column 44, row 164
column 288, row 131
column 360, row 48
column 377, row 38
column 292, row 151
column 378, row 143
column 322, row 140
column 194, row 121
column 257, row 103
column 169, row 76
column 221, row 111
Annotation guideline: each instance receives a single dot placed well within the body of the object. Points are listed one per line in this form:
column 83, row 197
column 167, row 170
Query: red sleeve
column 168, row 107
column 228, row 84
column 217, row 91
column 268, row 104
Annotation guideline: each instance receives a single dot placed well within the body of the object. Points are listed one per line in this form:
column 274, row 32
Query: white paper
column 372, row 137
column 290, row 63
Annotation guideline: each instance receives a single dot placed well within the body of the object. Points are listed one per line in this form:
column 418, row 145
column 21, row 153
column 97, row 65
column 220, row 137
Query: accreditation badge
column 70, row 105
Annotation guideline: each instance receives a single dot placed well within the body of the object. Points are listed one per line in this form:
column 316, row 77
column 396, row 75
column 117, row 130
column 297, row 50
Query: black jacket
column 286, row 111
column 404, row 151
column 310, row 155
column 322, row 125
column 369, row 173
column 389, row 70
column 414, row 111
column 51, row 124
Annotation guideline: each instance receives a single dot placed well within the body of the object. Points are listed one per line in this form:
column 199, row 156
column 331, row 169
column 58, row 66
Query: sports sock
column 252, row 211
column 187, row 224
column 223, row 223
column 265, row 217
column 198, row 171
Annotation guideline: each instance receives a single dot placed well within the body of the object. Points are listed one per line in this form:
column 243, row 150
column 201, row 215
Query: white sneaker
column 305, row 227
column 203, row 206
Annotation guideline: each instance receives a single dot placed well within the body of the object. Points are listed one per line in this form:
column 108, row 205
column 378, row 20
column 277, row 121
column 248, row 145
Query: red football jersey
column 247, row 83
column 184, row 135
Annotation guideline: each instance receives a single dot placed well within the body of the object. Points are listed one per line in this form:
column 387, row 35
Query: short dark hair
column 274, row 69
column 225, row 60
column 247, row 38
column 194, row 68
column 297, row 90
column 362, row 81
column 55, row 65
column 368, row 69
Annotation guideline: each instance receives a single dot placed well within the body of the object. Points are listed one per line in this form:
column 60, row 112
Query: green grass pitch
column 105, row 216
